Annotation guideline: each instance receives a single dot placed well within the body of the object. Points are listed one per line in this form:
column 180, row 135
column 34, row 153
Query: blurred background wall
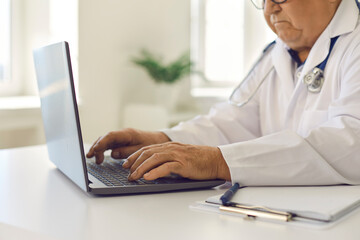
column 110, row 33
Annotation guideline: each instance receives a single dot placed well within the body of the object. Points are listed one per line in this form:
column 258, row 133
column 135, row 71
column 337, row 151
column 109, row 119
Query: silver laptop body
column 64, row 139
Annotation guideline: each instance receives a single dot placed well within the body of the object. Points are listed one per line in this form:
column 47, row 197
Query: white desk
column 37, row 198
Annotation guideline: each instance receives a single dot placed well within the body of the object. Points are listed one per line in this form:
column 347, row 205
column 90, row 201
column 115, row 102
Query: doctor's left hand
column 190, row 161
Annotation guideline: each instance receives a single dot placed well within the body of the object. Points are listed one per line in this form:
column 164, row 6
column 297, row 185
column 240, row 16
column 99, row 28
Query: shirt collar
column 295, row 57
column 345, row 19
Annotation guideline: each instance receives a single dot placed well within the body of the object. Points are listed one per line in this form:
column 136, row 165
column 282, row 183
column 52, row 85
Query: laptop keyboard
column 111, row 173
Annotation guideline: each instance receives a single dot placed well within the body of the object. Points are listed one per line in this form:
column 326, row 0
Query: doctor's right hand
column 123, row 143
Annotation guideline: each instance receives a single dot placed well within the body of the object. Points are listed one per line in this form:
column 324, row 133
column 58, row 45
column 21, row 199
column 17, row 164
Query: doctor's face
column 299, row 23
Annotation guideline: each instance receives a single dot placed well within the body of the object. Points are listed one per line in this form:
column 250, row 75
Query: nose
column 271, row 7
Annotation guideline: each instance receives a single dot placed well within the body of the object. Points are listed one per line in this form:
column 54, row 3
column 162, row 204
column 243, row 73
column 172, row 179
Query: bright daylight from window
column 224, row 26
column 4, row 41
column 224, row 43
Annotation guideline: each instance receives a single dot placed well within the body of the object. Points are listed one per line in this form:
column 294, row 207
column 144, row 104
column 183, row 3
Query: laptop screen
column 59, row 111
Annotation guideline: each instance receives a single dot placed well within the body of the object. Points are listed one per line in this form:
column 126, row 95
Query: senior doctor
column 295, row 126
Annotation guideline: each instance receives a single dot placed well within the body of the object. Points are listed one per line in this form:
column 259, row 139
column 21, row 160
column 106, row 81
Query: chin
column 291, row 41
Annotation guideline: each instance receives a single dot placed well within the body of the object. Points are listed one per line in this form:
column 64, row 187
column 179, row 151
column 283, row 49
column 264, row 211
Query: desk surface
column 35, row 197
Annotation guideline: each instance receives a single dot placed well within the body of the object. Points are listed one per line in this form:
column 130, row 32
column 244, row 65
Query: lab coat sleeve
column 328, row 154
column 224, row 124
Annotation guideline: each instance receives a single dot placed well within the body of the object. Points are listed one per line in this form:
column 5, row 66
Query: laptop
column 64, row 139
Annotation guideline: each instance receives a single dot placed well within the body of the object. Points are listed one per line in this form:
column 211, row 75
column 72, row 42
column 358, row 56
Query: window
column 223, row 40
column 25, row 26
column 5, row 47
column 227, row 37
column 66, row 29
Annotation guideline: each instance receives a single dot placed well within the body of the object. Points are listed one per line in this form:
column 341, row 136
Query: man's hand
column 124, row 143
column 190, row 161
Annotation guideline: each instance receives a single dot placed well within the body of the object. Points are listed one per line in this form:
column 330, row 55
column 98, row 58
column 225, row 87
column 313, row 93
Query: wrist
column 162, row 137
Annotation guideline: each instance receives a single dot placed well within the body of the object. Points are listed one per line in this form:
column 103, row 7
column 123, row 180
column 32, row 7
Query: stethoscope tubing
column 267, row 50
column 253, row 94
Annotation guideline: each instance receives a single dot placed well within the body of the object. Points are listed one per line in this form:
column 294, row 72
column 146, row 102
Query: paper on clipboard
column 320, row 203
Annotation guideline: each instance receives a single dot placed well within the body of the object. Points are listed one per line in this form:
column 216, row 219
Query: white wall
column 110, row 33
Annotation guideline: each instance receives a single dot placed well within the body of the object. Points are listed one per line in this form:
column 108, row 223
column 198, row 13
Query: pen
column 225, row 199
column 251, row 211
column 255, row 212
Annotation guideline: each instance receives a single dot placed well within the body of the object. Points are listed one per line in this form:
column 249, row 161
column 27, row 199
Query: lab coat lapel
column 298, row 98
column 316, row 56
column 282, row 63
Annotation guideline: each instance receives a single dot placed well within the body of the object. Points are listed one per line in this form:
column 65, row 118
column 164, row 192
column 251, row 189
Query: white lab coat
column 286, row 135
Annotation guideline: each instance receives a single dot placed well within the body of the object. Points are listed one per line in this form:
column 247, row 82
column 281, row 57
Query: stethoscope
column 314, row 80
column 248, row 97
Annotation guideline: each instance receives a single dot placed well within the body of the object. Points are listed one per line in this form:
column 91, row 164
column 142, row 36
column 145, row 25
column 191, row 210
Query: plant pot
column 167, row 95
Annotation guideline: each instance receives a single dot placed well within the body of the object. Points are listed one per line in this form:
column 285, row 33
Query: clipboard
column 321, row 204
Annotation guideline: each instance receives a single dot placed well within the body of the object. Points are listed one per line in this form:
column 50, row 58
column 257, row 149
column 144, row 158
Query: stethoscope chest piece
column 314, row 80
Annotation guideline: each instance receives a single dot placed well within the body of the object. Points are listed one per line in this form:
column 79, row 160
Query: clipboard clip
column 253, row 212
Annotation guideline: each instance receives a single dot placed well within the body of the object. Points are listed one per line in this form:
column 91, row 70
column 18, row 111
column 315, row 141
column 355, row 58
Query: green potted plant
column 160, row 72
column 166, row 75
